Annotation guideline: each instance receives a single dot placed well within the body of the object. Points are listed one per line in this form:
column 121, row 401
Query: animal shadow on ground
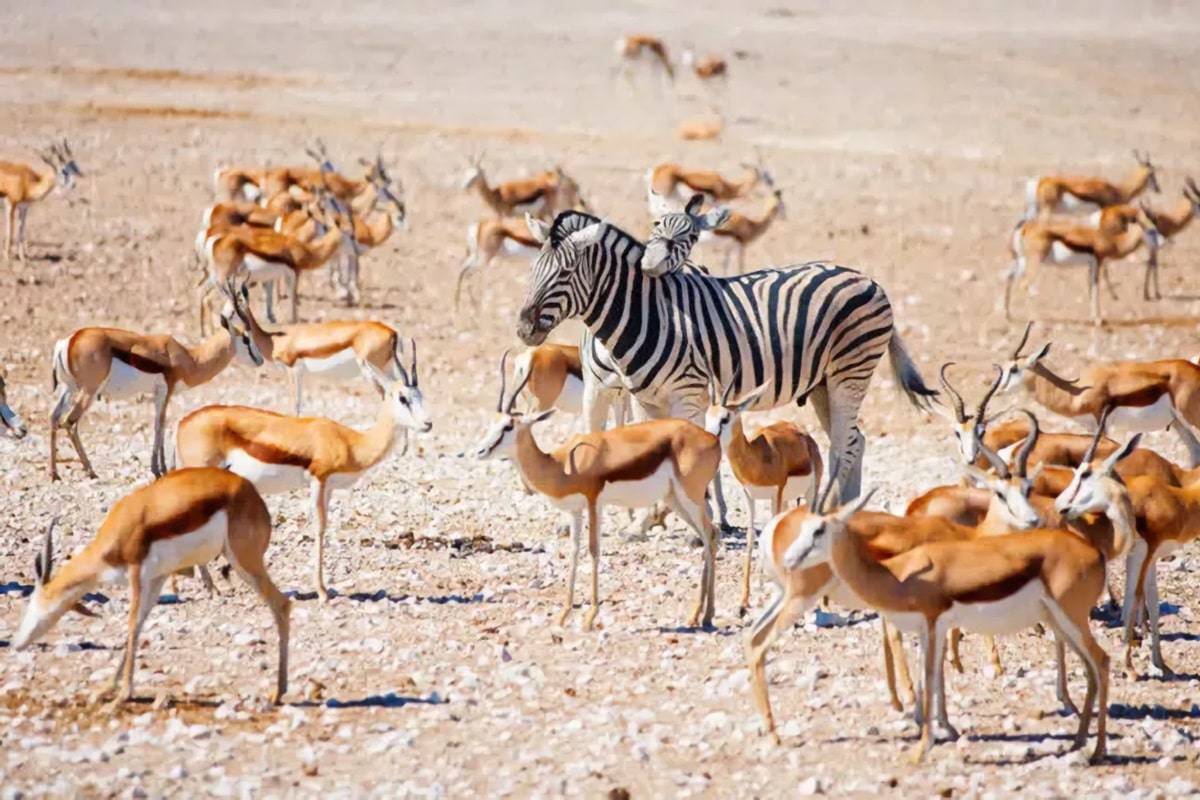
column 382, row 595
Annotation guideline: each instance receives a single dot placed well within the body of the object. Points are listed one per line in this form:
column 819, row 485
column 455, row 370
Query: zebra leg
column 846, row 442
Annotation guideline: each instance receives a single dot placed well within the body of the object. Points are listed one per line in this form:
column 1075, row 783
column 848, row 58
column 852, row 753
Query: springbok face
column 10, row 419
column 252, row 346
column 968, row 431
column 500, row 438
column 557, row 290
column 404, row 395
column 474, row 172
column 673, row 235
column 719, row 417
column 1151, row 174
column 1015, row 368
column 814, row 544
column 1013, row 493
column 1093, row 490
column 44, row 608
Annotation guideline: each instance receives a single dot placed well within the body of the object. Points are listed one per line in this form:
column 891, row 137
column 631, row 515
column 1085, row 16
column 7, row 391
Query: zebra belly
column 125, row 381
column 268, row 478
column 340, row 366
column 195, row 547
column 1141, row 419
column 1011, row 614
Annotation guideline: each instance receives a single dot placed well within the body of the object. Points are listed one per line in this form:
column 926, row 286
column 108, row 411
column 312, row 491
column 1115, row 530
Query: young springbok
column 488, row 238
column 1044, row 196
column 1167, row 519
column 677, row 184
column 280, row 453
column 21, row 185
column 780, row 463
column 13, row 425
column 182, row 520
column 994, row 584
column 1037, row 242
column 739, row 231
column 1143, row 396
column 634, row 466
column 118, row 364
column 1169, row 222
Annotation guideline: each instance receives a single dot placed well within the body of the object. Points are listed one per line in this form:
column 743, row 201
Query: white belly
column 343, row 480
column 639, row 493
column 259, row 270
column 267, row 478
column 796, row 486
column 1009, row 615
column 1145, row 419
column 125, row 381
column 1064, row 256
column 197, row 547
column 340, row 366
column 514, row 249
column 570, row 399
column 1077, row 205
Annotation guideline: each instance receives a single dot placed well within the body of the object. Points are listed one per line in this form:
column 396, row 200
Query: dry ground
column 902, row 139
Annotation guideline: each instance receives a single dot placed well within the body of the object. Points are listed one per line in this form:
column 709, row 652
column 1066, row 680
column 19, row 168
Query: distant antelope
column 697, row 129
column 182, row 520
column 119, row 364
column 706, row 68
column 667, row 460
column 14, row 426
column 1036, row 242
column 1168, row 223
column 488, row 238
column 21, row 185
column 543, row 195
column 677, row 184
column 280, row 453
column 739, row 231
column 1082, row 194
column 639, row 48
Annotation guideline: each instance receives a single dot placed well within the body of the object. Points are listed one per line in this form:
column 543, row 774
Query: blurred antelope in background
column 1075, row 194
column 21, row 185
column 639, row 48
column 1168, row 222
column 489, row 238
column 677, row 184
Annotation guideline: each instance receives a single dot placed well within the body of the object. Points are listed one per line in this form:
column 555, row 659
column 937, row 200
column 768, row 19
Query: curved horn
column 404, row 376
column 503, row 381
column 413, row 368
column 959, row 411
column 1024, row 339
column 1021, row 463
column 512, row 401
column 995, row 460
column 44, row 561
column 823, row 499
column 981, row 411
column 733, row 384
column 1091, row 451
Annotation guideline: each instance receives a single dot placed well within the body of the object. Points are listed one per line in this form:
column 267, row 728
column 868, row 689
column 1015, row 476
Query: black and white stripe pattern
column 811, row 330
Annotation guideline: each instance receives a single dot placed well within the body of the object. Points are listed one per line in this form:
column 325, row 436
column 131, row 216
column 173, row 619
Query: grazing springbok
column 339, row 350
column 638, row 48
column 780, row 463
column 992, row 584
column 22, row 185
column 677, row 184
column 1044, row 196
column 488, row 238
column 14, row 426
column 542, row 195
column 1143, row 396
column 182, row 520
column 634, row 466
column 117, row 364
column 1037, row 242
column 739, row 231
column 280, row 453
column 1169, row 222
column 1168, row 518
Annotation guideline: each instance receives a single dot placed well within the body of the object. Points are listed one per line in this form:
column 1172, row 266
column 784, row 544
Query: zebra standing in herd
column 811, row 330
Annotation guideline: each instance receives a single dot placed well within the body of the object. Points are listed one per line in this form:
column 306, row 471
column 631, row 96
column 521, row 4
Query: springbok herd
column 1026, row 540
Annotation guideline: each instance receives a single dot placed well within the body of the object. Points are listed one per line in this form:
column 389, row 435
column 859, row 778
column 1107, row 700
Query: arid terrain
column 902, row 137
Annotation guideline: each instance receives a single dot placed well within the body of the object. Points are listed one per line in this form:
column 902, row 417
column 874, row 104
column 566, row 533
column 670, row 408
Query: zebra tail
column 907, row 375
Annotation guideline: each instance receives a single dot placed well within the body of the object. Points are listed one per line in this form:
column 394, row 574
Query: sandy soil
column 902, row 139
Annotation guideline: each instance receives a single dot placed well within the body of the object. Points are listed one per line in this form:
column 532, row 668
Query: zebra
column 813, row 330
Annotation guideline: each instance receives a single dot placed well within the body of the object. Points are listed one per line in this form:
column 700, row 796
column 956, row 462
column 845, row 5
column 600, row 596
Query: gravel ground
column 902, row 140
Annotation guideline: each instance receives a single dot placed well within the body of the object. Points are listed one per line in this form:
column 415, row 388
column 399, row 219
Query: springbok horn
column 404, row 376
column 1022, row 460
column 1091, row 451
column 503, row 381
column 733, row 384
column 959, row 411
column 981, row 412
column 1024, row 339
column 413, row 343
column 823, row 500
column 45, row 559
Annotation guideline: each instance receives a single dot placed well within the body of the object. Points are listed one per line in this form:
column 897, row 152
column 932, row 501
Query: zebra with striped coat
column 812, row 330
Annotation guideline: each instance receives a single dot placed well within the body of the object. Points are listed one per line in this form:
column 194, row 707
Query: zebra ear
column 694, row 205
column 537, row 229
column 714, row 219
column 586, row 237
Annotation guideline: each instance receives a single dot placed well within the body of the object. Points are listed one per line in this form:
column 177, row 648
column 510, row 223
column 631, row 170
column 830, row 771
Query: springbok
column 780, row 463
column 1037, row 242
column 706, row 68
column 634, row 466
column 1144, row 396
column 118, row 364
column 543, row 195
column 677, row 184
column 993, row 584
column 1085, row 194
column 739, row 231
column 489, row 238
column 639, row 48
column 21, row 185
column 1169, row 222
column 14, row 426
column 702, row 129
column 553, row 376
column 280, row 453
column 182, row 520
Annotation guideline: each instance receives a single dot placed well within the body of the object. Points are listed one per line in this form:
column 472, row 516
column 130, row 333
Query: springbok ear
column 586, row 237
column 539, row 230
column 1039, row 355
column 714, row 219
column 694, row 204
column 1110, row 463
